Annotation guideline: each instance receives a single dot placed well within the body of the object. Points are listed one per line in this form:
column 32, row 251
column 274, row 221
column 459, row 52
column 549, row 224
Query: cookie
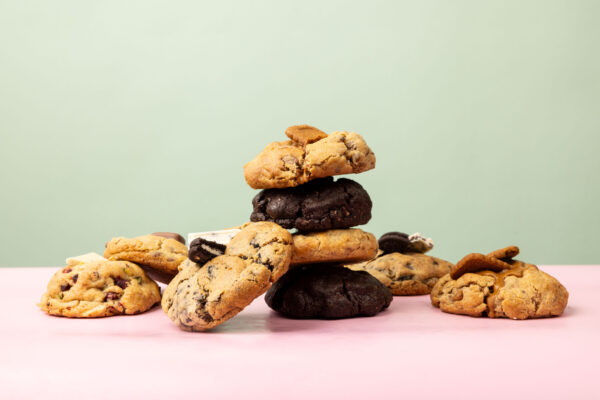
column 520, row 292
column 292, row 163
column 155, row 252
column 315, row 206
column 505, row 253
column 405, row 274
column 84, row 258
column 202, row 297
column 304, row 134
column 202, row 250
column 477, row 262
column 419, row 243
column 336, row 245
column 327, row 291
column 99, row 288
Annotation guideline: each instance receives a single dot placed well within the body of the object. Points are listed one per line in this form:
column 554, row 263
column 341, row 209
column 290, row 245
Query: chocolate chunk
column 112, row 296
column 120, row 282
column 75, row 278
column 394, row 242
column 327, row 291
column 170, row 235
column 202, row 250
column 64, row 287
column 315, row 206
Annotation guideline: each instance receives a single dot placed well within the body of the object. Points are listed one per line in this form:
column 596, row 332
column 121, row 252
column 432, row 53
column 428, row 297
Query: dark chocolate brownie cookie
column 315, row 206
column 327, row 291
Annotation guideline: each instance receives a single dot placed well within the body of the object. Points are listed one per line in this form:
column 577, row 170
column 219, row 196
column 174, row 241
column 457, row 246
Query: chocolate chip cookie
column 158, row 253
column 308, row 156
column 520, row 291
column 99, row 288
column 202, row 297
column 336, row 245
column 327, row 291
column 315, row 206
column 405, row 274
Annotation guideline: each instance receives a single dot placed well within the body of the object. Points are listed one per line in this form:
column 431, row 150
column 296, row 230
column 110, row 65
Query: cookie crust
column 336, row 245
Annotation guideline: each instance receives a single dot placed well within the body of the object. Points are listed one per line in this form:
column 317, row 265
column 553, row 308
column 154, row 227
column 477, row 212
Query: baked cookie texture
column 99, row 288
column 327, row 291
column 202, row 297
column 405, row 274
column 295, row 162
column 315, row 206
column 336, row 245
column 157, row 252
column 521, row 292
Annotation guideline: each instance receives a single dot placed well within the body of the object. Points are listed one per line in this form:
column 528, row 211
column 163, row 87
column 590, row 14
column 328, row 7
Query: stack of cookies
column 300, row 193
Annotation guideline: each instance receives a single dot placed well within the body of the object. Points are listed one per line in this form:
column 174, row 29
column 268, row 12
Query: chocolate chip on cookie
column 304, row 134
column 476, row 262
column 201, row 250
column 327, row 291
column 315, row 206
column 170, row 235
column 394, row 242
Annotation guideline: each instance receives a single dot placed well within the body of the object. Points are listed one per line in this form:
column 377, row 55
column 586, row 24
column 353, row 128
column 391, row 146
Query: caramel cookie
column 336, row 245
column 99, row 288
column 405, row 274
column 520, row 292
column 307, row 157
column 152, row 252
column 315, row 206
column 327, row 291
column 202, row 297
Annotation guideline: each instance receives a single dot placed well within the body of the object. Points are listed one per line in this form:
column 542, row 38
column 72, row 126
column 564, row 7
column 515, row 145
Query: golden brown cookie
column 304, row 134
column 202, row 297
column 477, row 262
column 405, row 274
column 520, row 292
column 292, row 163
column 155, row 252
column 335, row 245
column 99, row 288
column 505, row 253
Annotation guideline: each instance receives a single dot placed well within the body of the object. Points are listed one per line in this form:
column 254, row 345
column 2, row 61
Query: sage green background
column 120, row 118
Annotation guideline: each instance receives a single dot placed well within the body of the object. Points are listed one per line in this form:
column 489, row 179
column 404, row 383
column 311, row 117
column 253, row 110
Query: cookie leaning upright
column 202, row 297
column 310, row 154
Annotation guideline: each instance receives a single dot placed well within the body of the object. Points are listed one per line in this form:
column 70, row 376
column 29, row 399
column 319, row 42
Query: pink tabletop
column 410, row 351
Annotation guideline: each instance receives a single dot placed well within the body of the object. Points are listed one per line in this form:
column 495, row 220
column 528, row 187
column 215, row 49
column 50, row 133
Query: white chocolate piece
column 419, row 243
column 87, row 257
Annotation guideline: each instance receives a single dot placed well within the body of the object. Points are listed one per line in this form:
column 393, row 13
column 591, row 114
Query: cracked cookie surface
column 327, row 291
column 156, row 252
column 521, row 292
column 99, row 288
column 335, row 245
column 405, row 274
column 202, row 297
column 291, row 163
column 315, row 206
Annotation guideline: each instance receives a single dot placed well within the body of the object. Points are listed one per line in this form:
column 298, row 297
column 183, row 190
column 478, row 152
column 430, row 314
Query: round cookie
column 294, row 162
column 315, row 206
column 521, row 292
column 154, row 252
column 99, row 289
column 327, row 291
column 336, row 245
column 202, row 297
column 405, row 274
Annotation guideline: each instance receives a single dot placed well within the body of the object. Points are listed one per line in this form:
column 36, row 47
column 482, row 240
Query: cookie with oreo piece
column 327, row 291
column 315, row 206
